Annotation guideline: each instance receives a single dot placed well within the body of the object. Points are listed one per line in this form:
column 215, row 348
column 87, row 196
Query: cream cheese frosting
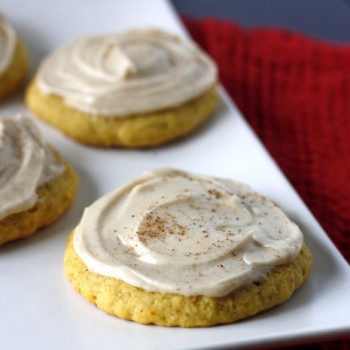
column 8, row 39
column 26, row 163
column 136, row 71
column 171, row 231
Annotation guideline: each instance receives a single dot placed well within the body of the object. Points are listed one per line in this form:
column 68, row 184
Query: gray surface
column 324, row 19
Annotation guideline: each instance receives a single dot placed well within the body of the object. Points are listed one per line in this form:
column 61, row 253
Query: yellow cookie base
column 54, row 198
column 137, row 131
column 13, row 77
column 131, row 303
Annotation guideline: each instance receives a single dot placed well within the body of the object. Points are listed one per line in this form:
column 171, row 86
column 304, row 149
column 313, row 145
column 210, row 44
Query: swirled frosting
column 26, row 163
column 8, row 39
column 172, row 231
column 136, row 71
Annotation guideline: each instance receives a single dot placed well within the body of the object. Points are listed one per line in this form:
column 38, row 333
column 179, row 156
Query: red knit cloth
column 295, row 93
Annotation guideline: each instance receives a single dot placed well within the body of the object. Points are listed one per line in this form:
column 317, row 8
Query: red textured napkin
column 295, row 93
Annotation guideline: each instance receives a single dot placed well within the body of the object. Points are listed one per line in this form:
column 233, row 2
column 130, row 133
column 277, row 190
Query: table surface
column 323, row 19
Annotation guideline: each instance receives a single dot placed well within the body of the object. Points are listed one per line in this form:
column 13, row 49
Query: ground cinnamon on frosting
column 176, row 232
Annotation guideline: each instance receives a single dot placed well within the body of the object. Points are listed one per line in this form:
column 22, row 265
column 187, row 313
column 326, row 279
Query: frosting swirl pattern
column 175, row 232
column 8, row 39
column 136, row 71
column 26, row 163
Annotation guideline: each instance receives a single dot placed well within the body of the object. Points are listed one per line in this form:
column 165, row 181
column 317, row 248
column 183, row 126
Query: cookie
column 139, row 88
column 196, row 251
column 13, row 60
column 37, row 184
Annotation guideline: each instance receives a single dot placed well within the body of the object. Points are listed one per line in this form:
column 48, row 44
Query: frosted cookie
column 36, row 185
column 13, row 60
column 179, row 249
column 138, row 88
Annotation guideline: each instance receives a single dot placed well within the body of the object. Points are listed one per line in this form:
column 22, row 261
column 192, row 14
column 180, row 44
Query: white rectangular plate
column 38, row 307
